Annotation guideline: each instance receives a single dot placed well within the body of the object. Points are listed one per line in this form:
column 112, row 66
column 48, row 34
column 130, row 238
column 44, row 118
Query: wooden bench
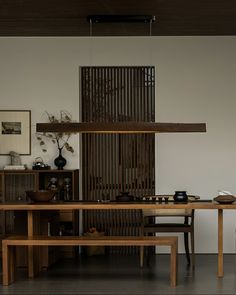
column 9, row 244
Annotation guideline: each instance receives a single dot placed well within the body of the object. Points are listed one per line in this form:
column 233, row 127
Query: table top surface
column 103, row 205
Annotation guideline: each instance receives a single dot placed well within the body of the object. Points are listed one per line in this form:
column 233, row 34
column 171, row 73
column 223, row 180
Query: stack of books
column 14, row 167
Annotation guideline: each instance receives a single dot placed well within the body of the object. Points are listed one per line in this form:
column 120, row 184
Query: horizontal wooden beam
column 120, row 127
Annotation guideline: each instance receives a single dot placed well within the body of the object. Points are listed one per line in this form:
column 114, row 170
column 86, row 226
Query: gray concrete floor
column 122, row 275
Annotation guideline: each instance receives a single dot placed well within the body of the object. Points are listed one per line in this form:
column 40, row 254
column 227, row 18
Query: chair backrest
column 170, row 212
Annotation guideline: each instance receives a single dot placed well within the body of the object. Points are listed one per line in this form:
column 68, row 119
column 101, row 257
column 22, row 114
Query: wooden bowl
column 225, row 199
column 41, row 195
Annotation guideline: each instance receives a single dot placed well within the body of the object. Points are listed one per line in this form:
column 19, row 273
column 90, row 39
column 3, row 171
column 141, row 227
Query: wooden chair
column 152, row 223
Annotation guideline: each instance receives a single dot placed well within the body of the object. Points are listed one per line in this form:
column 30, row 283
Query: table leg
column 5, row 265
column 30, row 248
column 220, row 243
column 33, row 252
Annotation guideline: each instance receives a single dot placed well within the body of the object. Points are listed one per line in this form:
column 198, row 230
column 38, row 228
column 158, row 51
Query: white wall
column 195, row 82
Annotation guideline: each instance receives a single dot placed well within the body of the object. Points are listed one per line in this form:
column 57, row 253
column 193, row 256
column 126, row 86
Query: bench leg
column 30, row 262
column 141, row 255
column 5, row 269
column 173, row 264
column 12, row 262
column 8, row 264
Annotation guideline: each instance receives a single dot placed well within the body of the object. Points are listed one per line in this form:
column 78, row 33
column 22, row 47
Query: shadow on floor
column 113, row 275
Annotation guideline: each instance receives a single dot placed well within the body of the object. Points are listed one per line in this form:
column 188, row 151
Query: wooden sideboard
column 13, row 187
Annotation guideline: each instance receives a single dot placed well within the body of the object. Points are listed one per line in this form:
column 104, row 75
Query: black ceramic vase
column 60, row 161
column 180, row 196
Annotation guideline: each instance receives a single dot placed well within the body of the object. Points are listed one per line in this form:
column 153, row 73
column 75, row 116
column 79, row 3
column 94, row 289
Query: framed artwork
column 15, row 132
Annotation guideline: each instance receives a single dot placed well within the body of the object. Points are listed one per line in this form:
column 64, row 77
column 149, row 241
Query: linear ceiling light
column 121, row 127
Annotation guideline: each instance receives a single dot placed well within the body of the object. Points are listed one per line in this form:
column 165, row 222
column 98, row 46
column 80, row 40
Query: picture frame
column 15, row 132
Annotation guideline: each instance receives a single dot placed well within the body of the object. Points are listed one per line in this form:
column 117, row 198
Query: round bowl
column 41, row 195
column 124, row 197
column 225, row 199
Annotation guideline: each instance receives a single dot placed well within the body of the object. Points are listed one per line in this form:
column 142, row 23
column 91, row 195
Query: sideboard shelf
column 13, row 187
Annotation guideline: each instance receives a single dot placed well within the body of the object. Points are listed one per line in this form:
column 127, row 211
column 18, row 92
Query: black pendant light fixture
column 121, row 127
column 120, row 18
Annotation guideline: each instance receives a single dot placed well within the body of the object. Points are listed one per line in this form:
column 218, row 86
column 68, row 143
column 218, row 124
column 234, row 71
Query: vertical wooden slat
column 118, row 146
column 139, row 110
column 112, row 141
column 152, row 111
column 106, row 157
column 108, row 103
column 146, row 81
column 121, row 162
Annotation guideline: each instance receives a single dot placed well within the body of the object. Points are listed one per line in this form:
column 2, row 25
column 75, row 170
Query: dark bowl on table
column 40, row 195
column 125, row 197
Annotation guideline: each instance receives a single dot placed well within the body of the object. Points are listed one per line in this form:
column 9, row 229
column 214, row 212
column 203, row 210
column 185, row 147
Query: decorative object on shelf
column 60, row 161
column 53, row 186
column 39, row 164
column 41, row 195
column 67, row 188
column 61, row 139
column 15, row 167
column 180, row 196
column 53, row 183
column 15, row 162
column 15, row 158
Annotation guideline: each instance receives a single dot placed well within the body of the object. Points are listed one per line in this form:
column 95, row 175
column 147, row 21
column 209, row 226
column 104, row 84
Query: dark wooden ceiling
column 68, row 17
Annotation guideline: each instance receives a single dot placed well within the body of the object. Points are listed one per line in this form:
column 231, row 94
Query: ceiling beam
column 121, row 127
column 68, row 18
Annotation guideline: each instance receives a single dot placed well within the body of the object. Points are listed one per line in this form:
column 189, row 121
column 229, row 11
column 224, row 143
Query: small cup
column 166, row 199
column 160, row 199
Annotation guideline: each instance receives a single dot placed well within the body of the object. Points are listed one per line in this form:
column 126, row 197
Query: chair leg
column 186, row 247
column 193, row 250
column 145, row 253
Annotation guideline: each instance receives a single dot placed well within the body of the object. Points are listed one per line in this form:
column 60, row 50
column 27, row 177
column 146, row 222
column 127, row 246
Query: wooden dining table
column 33, row 209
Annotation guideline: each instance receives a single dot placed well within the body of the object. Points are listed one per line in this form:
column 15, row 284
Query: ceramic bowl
column 124, row 197
column 225, row 199
column 40, row 195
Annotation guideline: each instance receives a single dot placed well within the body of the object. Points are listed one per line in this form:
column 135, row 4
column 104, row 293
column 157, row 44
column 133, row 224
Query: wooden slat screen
column 114, row 163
